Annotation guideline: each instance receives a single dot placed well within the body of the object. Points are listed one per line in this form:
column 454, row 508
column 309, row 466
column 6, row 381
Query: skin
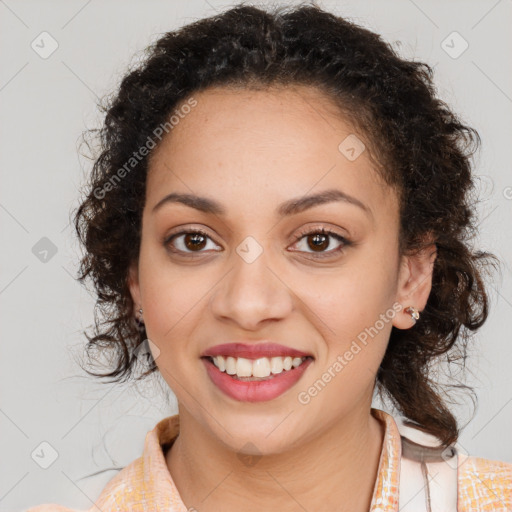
column 251, row 151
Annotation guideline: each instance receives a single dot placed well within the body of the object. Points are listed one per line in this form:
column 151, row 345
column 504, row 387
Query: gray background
column 45, row 104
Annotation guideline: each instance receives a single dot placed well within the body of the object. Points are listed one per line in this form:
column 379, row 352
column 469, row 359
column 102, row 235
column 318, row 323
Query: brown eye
column 319, row 240
column 187, row 242
column 194, row 241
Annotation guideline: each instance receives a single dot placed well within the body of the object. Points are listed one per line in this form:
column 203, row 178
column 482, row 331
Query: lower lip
column 255, row 391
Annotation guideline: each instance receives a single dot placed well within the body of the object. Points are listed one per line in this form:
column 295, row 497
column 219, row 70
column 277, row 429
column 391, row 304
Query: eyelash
column 344, row 241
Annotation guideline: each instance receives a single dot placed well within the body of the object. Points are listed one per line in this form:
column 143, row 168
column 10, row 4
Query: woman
column 280, row 219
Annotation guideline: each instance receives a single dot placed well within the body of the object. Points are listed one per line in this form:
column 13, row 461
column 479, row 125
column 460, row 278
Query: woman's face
column 263, row 272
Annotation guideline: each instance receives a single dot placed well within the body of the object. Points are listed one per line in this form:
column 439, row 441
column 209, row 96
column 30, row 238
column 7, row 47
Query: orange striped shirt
column 146, row 484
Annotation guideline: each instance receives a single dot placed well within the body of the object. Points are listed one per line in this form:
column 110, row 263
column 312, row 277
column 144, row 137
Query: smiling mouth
column 254, row 370
column 255, row 380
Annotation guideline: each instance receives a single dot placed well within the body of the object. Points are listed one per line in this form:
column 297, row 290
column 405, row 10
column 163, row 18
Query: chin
column 256, row 436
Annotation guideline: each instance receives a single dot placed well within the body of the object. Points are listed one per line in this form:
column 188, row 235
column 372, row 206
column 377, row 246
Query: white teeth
column 276, row 365
column 221, row 363
column 243, row 367
column 262, row 367
column 296, row 361
column 230, row 365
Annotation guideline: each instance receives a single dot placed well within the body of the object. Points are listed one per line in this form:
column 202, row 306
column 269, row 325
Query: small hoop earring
column 415, row 314
column 140, row 319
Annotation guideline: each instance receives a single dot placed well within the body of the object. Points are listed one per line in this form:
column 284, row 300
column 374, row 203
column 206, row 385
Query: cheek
column 173, row 315
column 355, row 331
column 173, row 299
column 354, row 296
column 353, row 311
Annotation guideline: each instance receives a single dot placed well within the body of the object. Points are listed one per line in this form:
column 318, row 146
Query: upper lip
column 253, row 351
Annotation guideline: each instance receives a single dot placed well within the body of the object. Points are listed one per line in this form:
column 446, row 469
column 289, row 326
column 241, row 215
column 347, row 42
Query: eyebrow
column 290, row 207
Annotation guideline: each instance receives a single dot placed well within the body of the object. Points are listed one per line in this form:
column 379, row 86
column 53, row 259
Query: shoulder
column 125, row 490
column 484, row 484
column 145, row 484
column 122, row 490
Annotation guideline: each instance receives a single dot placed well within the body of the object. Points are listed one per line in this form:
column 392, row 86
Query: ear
column 414, row 283
column 133, row 284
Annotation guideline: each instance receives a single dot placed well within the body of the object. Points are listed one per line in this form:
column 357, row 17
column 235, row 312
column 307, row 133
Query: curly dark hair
column 420, row 146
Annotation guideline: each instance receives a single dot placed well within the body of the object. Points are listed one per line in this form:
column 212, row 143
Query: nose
column 251, row 294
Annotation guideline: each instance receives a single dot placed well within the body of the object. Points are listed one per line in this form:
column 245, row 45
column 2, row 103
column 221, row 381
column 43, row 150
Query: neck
column 337, row 468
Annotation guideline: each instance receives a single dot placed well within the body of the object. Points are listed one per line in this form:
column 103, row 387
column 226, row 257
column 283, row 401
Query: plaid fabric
column 145, row 484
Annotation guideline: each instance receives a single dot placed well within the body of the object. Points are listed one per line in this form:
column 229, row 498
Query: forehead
column 224, row 117
column 288, row 140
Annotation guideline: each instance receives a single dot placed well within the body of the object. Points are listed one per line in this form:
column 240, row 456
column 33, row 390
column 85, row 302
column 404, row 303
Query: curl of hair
column 420, row 147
